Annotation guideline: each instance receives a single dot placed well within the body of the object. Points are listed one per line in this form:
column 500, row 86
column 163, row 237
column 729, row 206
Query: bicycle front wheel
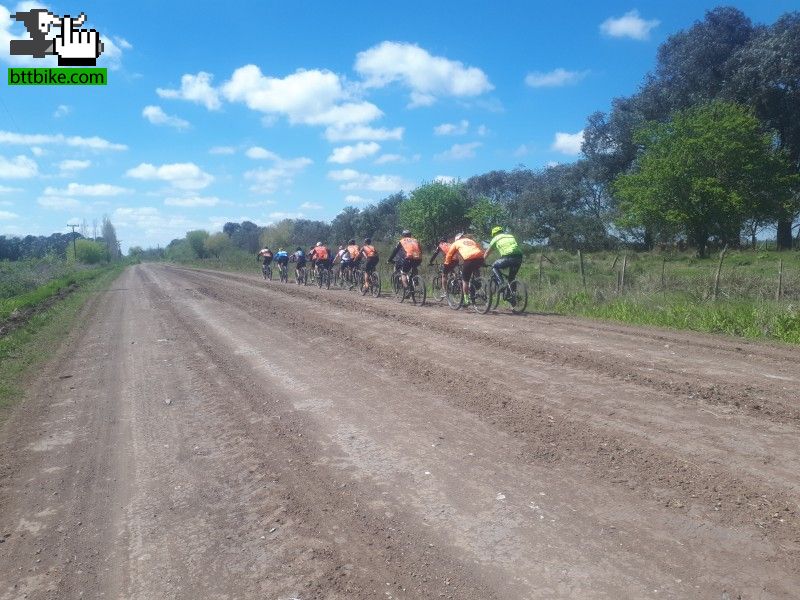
column 518, row 296
column 454, row 293
column 436, row 287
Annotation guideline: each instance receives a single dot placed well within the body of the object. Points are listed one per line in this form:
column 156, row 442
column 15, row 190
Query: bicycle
column 267, row 272
column 283, row 271
column 373, row 285
column 324, row 278
column 414, row 290
column 357, row 277
column 311, row 275
column 301, row 276
column 479, row 295
column 515, row 293
column 437, row 292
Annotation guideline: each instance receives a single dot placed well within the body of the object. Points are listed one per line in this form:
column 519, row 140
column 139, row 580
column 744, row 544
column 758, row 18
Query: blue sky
column 265, row 110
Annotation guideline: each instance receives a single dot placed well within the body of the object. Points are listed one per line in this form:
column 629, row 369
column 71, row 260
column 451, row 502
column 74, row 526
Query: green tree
column 704, row 173
column 485, row 214
column 434, row 210
column 88, row 252
column 215, row 245
column 197, row 242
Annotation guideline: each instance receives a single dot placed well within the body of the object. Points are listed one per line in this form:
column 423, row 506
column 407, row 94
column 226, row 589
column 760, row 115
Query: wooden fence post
column 719, row 271
column 664, row 275
column 541, row 268
column 779, row 293
column 614, row 264
column 583, row 273
column 622, row 276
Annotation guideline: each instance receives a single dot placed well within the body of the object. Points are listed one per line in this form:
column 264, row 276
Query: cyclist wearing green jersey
column 510, row 253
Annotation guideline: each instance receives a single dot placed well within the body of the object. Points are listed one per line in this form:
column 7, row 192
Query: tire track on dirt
column 720, row 488
column 740, row 376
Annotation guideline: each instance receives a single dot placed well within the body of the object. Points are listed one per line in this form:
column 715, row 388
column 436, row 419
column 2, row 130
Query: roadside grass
column 672, row 290
column 28, row 347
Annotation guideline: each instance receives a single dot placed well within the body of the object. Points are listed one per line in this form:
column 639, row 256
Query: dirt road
column 209, row 435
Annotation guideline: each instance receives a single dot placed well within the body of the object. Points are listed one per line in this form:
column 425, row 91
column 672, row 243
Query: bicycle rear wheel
column 397, row 286
column 494, row 292
column 518, row 296
column 375, row 284
column 454, row 293
column 418, row 291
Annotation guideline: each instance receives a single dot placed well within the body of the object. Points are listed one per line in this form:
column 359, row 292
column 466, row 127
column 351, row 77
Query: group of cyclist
column 407, row 257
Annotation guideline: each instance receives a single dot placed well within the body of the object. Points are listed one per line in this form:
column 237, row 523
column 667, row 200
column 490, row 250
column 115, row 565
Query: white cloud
column 75, row 141
column 521, row 150
column 459, row 128
column 62, row 110
column 362, row 132
column 311, row 206
column 355, row 180
column 192, row 201
column 36, row 151
column 279, row 216
column 74, row 165
column 556, row 78
column 629, row 25
column 459, row 151
column 389, row 158
column 482, row 130
column 8, row 190
column 447, row 179
column 185, row 176
column 112, row 52
column 222, row 150
column 195, row 88
column 259, row 153
column 19, row 167
column 427, row 76
column 310, row 97
column 356, row 200
column 568, row 143
column 348, row 154
column 78, row 189
column 157, row 116
column 57, row 203
column 6, row 215
column 280, row 174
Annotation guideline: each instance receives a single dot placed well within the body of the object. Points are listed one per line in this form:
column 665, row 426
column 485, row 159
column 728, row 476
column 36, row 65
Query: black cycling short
column 371, row 263
column 409, row 265
column 470, row 267
column 301, row 262
column 282, row 261
column 267, row 260
column 512, row 262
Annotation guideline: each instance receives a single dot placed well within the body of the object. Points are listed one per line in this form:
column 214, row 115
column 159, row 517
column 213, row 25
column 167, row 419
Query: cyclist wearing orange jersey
column 368, row 252
column 320, row 255
column 441, row 248
column 407, row 256
column 471, row 255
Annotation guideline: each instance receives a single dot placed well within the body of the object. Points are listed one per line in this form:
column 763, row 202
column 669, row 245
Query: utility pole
column 74, row 250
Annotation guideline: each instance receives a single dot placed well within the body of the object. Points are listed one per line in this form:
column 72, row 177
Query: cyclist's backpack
column 411, row 248
column 354, row 251
column 369, row 251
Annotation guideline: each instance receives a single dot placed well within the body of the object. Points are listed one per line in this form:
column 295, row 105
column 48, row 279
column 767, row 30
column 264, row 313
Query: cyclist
column 282, row 258
column 265, row 254
column 320, row 254
column 441, row 248
column 510, row 253
column 406, row 256
column 355, row 259
column 299, row 257
column 368, row 252
column 343, row 256
column 471, row 255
